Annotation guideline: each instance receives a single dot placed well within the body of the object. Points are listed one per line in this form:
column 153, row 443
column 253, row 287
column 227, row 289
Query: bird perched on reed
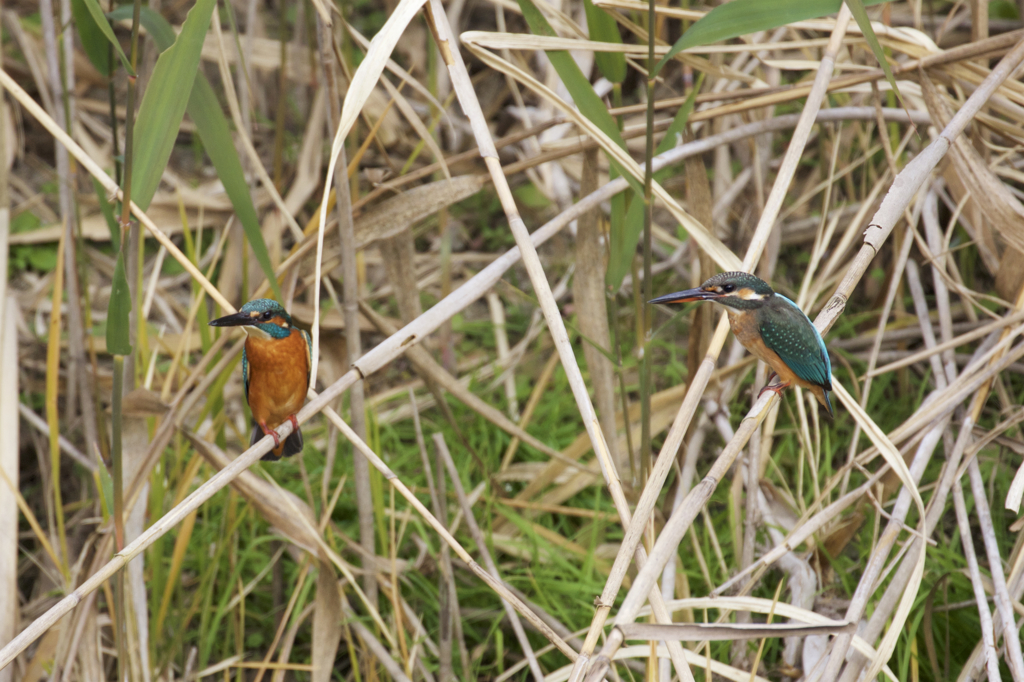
column 275, row 371
column 772, row 328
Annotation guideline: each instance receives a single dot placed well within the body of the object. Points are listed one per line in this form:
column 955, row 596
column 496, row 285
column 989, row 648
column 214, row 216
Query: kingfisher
column 772, row 328
column 275, row 369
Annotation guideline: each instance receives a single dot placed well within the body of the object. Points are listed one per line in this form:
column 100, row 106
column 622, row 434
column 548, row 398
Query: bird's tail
column 822, row 396
column 292, row 445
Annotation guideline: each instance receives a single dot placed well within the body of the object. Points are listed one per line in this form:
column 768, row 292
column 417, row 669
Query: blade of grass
column 52, row 416
column 90, row 20
column 741, row 17
column 861, row 15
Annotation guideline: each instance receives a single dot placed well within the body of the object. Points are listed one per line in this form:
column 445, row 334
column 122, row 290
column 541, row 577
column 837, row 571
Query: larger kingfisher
column 772, row 328
column 275, row 369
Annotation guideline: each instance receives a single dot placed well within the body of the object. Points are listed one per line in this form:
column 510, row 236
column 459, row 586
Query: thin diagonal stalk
column 481, row 543
column 984, row 614
column 1004, row 603
column 699, row 382
column 109, row 185
column 350, row 308
column 893, row 207
column 471, row 107
column 645, row 313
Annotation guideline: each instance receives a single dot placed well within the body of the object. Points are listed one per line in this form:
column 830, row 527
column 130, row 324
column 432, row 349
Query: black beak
column 686, row 296
column 236, row 320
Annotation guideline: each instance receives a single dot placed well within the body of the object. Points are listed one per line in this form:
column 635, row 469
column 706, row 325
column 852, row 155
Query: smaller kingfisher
column 772, row 328
column 275, row 370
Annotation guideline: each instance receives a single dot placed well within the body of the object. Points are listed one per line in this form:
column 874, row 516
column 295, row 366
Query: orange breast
column 278, row 374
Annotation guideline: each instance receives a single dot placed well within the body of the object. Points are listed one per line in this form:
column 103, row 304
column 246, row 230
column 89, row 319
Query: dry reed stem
column 984, row 614
column 904, row 187
column 673, row 440
column 471, row 107
column 481, row 543
column 9, row 425
column 1004, row 603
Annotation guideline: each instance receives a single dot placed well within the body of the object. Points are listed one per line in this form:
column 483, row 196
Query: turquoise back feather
column 791, row 334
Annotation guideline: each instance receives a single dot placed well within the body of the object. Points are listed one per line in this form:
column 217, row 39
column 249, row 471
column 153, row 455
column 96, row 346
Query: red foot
column 295, row 423
column 270, row 432
column 777, row 389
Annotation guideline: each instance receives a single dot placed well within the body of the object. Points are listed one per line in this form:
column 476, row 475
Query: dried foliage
column 514, row 467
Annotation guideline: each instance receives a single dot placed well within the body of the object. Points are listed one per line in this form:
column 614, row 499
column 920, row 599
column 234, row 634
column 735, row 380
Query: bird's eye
column 267, row 315
column 728, row 288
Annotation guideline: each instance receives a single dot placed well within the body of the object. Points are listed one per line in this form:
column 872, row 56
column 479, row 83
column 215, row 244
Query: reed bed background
column 514, row 468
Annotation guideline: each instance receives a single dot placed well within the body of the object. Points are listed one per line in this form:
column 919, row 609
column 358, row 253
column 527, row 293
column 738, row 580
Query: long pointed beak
column 687, row 296
column 236, row 320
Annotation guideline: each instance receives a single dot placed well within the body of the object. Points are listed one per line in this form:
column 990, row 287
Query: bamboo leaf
column 859, row 13
column 95, row 31
column 94, row 42
column 604, row 29
column 107, row 209
column 742, row 17
column 679, row 122
column 583, row 95
column 623, row 241
column 118, row 326
column 205, row 111
column 163, row 105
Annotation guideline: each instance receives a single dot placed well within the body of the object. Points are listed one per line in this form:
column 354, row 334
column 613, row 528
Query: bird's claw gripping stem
column 777, row 389
column 271, row 432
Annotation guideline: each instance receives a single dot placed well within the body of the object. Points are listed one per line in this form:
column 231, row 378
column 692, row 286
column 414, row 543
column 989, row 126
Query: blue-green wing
column 790, row 333
column 309, row 354
column 245, row 373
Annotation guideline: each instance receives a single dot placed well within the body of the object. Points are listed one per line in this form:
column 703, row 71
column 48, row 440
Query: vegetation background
column 450, row 517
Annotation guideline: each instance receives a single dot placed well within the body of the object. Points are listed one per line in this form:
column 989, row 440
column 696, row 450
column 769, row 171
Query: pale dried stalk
column 481, row 543
column 695, row 500
column 915, row 174
column 350, row 306
column 592, row 313
column 501, row 343
column 1004, row 603
column 956, row 342
column 978, row 583
column 893, row 207
column 9, row 424
column 471, row 107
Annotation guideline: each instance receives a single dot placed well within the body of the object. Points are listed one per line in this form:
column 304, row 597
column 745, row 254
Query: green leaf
column 163, row 104
column 96, row 34
column 742, row 17
column 94, row 42
column 107, row 209
column 623, row 240
column 583, row 95
column 205, row 111
column 622, row 246
column 680, row 120
column 603, row 28
column 861, row 15
column 118, row 338
column 211, row 124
